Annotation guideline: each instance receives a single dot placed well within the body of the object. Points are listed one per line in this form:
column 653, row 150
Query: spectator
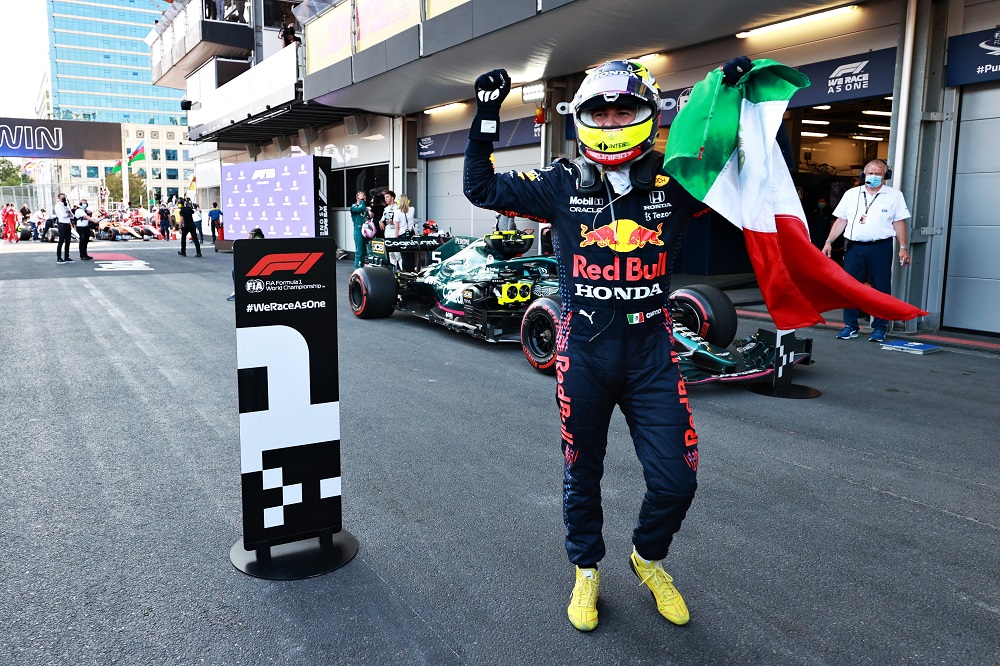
column 187, row 227
column 506, row 222
column 215, row 10
column 870, row 216
column 64, row 218
column 164, row 214
column 545, row 236
column 377, row 198
column 819, row 223
column 196, row 214
column 406, row 225
column 37, row 222
column 388, row 222
column 360, row 213
column 9, row 216
column 288, row 36
column 214, row 219
column 83, row 221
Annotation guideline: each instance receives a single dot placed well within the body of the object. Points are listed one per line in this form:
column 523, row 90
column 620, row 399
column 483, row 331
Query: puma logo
column 588, row 315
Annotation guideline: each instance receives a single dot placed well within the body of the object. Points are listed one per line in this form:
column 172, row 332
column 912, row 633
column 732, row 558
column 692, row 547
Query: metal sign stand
column 297, row 560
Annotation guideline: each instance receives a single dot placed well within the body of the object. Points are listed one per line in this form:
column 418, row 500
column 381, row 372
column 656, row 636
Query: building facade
column 100, row 71
column 384, row 87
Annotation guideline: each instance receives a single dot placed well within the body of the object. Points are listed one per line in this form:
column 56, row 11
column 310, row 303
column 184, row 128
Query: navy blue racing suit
column 615, row 341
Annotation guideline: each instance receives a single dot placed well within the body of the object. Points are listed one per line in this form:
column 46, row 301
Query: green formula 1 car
column 491, row 289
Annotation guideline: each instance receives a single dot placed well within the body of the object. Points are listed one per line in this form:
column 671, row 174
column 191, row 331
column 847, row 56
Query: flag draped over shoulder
column 722, row 149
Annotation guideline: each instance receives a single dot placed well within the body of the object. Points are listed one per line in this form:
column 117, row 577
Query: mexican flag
column 117, row 167
column 722, row 149
column 139, row 154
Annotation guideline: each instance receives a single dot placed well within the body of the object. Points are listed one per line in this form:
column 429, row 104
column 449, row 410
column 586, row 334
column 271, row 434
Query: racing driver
column 617, row 222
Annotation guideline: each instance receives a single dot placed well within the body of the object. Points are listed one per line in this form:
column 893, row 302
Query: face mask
column 821, row 205
column 84, row 206
column 873, row 180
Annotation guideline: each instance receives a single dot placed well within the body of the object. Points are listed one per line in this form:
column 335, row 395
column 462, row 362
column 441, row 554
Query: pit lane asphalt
column 861, row 527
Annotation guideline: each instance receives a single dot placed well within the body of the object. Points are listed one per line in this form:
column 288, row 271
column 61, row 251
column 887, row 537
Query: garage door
column 447, row 205
column 972, row 286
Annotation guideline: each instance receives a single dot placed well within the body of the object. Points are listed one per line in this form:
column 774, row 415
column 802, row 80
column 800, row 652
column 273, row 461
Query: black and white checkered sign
column 289, row 394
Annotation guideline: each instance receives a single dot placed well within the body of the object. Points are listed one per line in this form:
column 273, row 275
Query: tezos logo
column 255, row 286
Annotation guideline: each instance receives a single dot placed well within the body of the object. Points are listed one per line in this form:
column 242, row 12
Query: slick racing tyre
column 371, row 292
column 707, row 311
column 538, row 334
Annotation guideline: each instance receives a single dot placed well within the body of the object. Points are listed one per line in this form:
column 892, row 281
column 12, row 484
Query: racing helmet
column 624, row 82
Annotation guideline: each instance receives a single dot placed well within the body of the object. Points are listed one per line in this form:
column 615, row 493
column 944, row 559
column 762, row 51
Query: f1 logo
column 850, row 68
column 298, row 262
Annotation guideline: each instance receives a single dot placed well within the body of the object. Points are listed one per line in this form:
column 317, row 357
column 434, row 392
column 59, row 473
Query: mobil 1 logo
column 289, row 393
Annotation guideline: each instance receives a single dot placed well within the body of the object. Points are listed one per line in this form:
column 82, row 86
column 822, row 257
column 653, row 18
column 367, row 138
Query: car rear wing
column 413, row 244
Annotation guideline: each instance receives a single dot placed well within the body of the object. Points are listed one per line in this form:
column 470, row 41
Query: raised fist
column 734, row 70
column 491, row 89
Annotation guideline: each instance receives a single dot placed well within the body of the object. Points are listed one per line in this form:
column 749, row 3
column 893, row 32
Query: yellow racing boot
column 582, row 610
column 669, row 601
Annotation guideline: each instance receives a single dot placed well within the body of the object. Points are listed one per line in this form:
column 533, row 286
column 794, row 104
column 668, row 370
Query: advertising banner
column 973, row 58
column 289, row 391
column 863, row 75
column 328, row 38
column 284, row 198
column 513, row 133
column 438, row 7
column 378, row 20
column 672, row 101
column 26, row 137
column 852, row 77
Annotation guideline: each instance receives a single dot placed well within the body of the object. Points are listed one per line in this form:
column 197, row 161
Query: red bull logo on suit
column 621, row 235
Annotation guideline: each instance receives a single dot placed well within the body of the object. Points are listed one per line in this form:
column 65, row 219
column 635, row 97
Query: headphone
column 888, row 170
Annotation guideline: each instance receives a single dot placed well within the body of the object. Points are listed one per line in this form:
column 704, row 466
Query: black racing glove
column 734, row 70
column 491, row 90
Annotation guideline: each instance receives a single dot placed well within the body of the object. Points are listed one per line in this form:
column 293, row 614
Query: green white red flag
column 139, row 154
column 722, row 149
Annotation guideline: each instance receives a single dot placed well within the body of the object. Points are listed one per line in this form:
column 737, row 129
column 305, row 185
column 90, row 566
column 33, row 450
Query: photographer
column 287, row 35
column 376, row 196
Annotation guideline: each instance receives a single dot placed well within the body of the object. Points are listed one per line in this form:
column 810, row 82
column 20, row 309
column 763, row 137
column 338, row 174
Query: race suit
column 614, row 345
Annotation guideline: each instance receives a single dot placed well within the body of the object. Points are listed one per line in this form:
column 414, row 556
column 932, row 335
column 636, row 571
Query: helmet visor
column 615, row 88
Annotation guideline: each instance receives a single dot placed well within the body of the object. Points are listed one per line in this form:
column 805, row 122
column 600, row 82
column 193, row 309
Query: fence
column 43, row 195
